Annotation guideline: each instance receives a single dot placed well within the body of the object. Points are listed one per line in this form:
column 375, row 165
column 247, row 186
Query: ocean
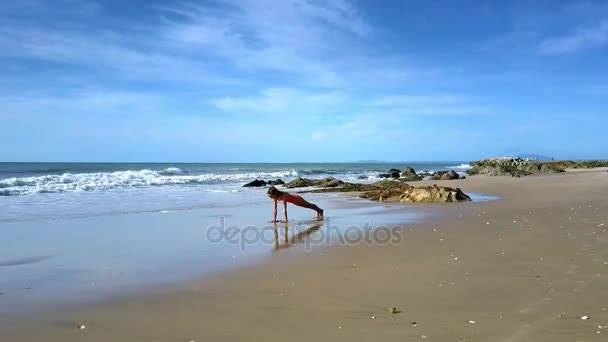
column 53, row 190
column 78, row 232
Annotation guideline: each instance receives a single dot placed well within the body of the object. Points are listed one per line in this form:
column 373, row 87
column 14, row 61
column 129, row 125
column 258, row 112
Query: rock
column 393, row 170
column 362, row 177
column 299, row 183
column 255, row 183
column 517, row 167
column 384, row 175
column 433, row 194
column 276, row 182
column 391, row 190
column 329, row 182
column 438, row 175
column 450, row 175
column 409, row 175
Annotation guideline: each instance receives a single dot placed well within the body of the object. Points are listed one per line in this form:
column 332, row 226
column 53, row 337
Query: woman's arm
column 274, row 217
column 285, row 210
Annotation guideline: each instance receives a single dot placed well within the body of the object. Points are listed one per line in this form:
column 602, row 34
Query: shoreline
column 442, row 275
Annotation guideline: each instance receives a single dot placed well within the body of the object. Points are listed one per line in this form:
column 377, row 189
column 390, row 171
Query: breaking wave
column 460, row 167
column 81, row 182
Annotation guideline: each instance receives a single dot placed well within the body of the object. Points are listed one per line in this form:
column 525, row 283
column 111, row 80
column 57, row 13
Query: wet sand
column 524, row 268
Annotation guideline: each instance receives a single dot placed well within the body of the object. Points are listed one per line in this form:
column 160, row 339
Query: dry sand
column 524, row 268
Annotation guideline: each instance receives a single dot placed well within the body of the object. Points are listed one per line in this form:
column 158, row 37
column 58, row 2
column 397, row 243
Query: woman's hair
column 274, row 192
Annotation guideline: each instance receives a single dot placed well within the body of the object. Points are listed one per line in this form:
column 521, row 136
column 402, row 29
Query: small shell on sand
column 472, row 322
column 584, row 318
column 82, row 327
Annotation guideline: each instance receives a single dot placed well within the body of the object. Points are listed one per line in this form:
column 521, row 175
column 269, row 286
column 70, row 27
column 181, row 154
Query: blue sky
column 302, row 80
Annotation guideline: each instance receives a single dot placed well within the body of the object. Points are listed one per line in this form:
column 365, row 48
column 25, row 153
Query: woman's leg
column 304, row 203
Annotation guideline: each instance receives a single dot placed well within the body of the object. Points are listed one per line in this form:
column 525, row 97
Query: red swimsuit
column 293, row 199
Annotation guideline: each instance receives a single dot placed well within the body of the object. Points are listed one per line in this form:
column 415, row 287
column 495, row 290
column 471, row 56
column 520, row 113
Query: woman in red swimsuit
column 277, row 195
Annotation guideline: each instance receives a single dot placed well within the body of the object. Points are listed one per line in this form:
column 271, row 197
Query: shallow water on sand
column 50, row 261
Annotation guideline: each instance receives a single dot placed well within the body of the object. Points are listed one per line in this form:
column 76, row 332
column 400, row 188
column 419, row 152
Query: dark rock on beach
column 394, row 173
column 410, row 175
column 299, row 183
column 276, row 182
column 328, row 182
column 255, row 183
column 445, row 175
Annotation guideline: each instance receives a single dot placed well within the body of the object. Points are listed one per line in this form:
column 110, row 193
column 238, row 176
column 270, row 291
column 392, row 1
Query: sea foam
column 80, row 182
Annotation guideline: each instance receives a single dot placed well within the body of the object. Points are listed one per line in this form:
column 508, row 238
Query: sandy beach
column 526, row 267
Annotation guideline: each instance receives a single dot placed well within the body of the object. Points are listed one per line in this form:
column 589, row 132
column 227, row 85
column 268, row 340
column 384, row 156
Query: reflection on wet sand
column 295, row 239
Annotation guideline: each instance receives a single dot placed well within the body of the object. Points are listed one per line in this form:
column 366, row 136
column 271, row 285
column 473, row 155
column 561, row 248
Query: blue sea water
column 54, row 190
column 79, row 232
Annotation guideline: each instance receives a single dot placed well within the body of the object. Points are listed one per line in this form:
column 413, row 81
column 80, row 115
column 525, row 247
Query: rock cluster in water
column 409, row 175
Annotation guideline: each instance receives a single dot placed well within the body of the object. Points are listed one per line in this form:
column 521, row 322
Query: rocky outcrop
column 390, row 190
column 410, row 175
column 588, row 164
column 299, row 183
column 514, row 167
column 445, row 175
column 394, row 173
column 256, row 183
column 276, row 182
column 405, row 193
column 433, row 194
column 329, row 182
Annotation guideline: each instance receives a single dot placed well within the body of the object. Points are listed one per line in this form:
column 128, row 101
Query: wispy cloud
column 281, row 100
column 583, row 38
column 430, row 105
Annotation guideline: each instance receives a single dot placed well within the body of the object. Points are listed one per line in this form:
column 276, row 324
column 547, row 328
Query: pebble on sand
column 392, row 310
column 584, row 318
column 472, row 322
column 82, row 327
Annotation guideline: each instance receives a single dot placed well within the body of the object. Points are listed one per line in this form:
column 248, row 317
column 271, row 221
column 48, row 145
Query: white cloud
column 281, row 100
column 585, row 38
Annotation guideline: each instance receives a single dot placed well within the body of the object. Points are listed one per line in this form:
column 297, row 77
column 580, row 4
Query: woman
column 277, row 195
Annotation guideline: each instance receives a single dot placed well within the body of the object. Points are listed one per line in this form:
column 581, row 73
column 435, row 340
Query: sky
column 302, row 80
